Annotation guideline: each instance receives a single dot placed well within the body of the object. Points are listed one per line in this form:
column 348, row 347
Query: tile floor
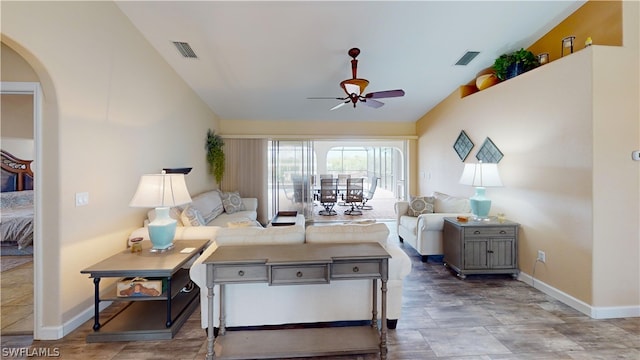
column 480, row 318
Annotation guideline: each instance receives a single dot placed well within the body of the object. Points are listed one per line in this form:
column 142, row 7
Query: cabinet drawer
column 240, row 273
column 470, row 232
column 307, row 274
column 355, row 270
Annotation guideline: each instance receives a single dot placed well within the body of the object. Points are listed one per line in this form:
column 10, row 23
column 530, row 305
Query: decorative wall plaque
column 463, row 145
column 489, row 152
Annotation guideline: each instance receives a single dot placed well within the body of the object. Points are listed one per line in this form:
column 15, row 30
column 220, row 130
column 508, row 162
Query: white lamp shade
column 480, row 175
column 161, row 190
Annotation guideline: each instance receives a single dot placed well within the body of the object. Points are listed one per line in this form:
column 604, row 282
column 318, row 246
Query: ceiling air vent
column 185, row 49
column 467, row 57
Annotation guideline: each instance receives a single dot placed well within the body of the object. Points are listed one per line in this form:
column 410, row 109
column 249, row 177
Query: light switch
column 82, row 199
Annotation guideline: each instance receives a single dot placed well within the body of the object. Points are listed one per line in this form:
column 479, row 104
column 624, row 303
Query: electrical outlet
column 542, row 257
column 82, row 199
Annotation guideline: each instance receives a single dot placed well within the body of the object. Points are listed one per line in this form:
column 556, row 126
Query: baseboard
column 58, row 332
column 595, row 312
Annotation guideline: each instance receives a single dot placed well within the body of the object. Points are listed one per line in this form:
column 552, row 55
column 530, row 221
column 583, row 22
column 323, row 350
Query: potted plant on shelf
column 215, row 155
column 514, row 63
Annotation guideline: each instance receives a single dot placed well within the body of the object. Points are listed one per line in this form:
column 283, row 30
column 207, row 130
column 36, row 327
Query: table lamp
column 161, row 191
column 480, row 175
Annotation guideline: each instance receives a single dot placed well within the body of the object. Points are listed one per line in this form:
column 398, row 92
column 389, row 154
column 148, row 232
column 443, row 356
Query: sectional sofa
column 345, row 300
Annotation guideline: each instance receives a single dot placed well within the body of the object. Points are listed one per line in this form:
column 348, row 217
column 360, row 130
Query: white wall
column 112, row 111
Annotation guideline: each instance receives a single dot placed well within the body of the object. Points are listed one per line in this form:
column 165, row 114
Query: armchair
column 424, row 231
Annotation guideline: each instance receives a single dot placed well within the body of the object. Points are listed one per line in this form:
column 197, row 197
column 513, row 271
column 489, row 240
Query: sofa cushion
column 347, row 233
column 293, row 234
column 242, row 223
column 232, row 202
column 421, row 205
column 209, row 204
column 450, row 204
column 191, row 217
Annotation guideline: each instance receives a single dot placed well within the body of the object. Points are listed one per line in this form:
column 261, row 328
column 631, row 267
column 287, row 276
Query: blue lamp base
column 480, row 205
column 162, row 230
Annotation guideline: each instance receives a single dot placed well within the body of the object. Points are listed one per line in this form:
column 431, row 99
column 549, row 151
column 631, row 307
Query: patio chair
column 354, row 195
column 373, row 185
column 328, row 196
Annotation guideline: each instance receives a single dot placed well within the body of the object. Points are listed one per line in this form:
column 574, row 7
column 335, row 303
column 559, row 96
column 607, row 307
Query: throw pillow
column 232, row 202
column 209, row 204
column 192, row 217
column 421, row 205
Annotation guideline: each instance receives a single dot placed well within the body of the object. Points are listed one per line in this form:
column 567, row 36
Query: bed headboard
column 16, row 173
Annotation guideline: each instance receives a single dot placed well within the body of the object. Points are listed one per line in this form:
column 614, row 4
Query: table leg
column 383, row 332
column 96, row 304
column 210, row 336
column 374, row 319
column 169, row 320
column 223, row 320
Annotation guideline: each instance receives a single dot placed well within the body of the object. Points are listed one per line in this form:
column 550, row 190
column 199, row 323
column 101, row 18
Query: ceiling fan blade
column 339, row 105
column 327, row 98
column 372, row 103
column 385, row 94
column 352, row 89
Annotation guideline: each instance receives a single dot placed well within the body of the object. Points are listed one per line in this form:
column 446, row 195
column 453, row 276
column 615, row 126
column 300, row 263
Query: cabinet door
column 476, row 254
column 503, row 254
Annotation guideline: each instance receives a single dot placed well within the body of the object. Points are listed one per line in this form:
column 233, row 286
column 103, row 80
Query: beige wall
column 112, row 110
column 318, row 129
column 567, row 131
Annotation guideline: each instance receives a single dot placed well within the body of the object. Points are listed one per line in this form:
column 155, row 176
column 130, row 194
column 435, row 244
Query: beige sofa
column 424, row 231
column 206, row 214
column 345, row 300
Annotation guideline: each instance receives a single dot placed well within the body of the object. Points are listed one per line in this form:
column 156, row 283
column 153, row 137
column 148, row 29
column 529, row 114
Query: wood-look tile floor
column 443, row 317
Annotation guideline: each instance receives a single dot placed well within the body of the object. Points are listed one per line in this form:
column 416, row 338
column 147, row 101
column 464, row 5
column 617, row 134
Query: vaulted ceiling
column 262, row 60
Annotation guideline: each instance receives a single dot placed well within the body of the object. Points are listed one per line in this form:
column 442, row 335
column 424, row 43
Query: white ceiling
column 261, row 60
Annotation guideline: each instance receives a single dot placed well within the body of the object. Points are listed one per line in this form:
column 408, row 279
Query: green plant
column 502, row 65
column 215, row 155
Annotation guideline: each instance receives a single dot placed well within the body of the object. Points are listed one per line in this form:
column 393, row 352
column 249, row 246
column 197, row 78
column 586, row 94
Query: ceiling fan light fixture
column 360, row 83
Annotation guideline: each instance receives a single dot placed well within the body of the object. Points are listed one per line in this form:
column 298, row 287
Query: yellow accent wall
column 600, row 20
column 567, row 130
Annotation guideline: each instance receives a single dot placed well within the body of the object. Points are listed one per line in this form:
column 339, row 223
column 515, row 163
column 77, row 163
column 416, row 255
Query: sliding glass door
column 291, row 164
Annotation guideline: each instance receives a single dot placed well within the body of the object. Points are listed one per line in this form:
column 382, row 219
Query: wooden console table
column 297, row 264
column 146, row 317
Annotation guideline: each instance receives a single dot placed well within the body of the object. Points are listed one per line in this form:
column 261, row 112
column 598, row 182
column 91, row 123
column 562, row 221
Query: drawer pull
column 299, row 274
column 502, row 232
column 477, row 232
column 490, row 251
column 356, row 269
column 240, row 273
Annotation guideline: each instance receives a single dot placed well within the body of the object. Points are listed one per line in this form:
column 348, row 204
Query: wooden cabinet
column 481, row 247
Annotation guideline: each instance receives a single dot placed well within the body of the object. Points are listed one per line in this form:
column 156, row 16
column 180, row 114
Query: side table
column 142, row 319
column 481, row 247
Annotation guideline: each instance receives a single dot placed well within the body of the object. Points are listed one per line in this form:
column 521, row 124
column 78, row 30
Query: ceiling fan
column 354, row 88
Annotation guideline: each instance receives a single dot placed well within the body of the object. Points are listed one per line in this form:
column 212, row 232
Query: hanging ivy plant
column 215, row 155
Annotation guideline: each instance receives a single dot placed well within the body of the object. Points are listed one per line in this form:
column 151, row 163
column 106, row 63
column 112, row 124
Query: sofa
column 345, row 300
column 206, row 214
column 420, row 221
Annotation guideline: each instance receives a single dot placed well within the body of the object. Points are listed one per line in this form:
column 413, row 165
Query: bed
column 16, row 216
